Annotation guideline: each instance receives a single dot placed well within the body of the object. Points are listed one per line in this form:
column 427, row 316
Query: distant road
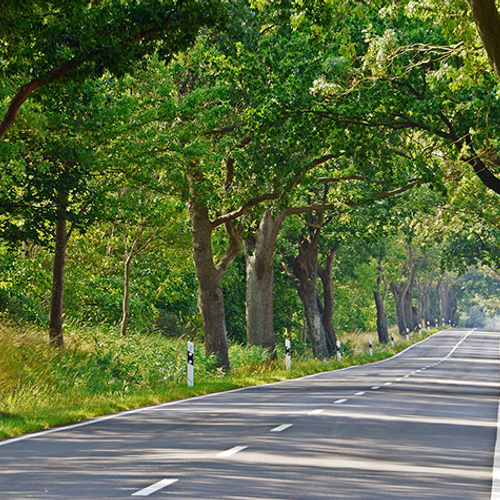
column 422, row 425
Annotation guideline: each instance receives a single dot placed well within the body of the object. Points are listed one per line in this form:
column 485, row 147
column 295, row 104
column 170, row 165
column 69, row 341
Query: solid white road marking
column 281, row 428
column 495, row 485
column 232, row 451
column 339, row 401
column 154, row 488
column 316, row 412
column 457, row 345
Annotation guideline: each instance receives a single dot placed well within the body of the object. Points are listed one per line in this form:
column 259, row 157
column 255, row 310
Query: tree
column 448, row 290
column 143, row 230
column 55, row 178
column 306, row 270
column 379, row 295
column 209, row 273
column 55, row 188
column 259, row 257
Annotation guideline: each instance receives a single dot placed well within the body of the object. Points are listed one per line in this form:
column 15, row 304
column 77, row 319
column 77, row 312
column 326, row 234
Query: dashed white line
column 375, row 388
column 388, row 383
column 232, row 451
column 281, row 428
column 398, row 379
column 339, row 401
column 316, row 412
column 360, row 393
column 145, row 492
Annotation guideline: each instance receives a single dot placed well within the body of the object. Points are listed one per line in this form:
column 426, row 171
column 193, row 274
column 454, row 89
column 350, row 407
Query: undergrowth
column 100, row 372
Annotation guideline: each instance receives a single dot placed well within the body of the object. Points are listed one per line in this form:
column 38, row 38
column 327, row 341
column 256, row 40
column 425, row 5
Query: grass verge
column 99, row 372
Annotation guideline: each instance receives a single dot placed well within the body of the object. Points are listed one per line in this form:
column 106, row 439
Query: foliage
column 45, row 42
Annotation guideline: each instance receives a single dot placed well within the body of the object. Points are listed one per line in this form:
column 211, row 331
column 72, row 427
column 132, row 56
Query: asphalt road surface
column 422, row 425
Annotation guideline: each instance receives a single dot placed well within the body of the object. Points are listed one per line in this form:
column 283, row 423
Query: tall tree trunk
column 305, row 268
column 411, row 312
column 407, row 314
column 399, row 292
column 424, row 299
column 487, row 19
column 126, row 295
column 424, row 304
column 210, row 299
column 314, row 319
column 447, row 301
column 436, row 310
column 329, row 301
column 453, row 303
column 56, row 298
column 209, row 274
column 379, row 295
column 259, row 253
column 130, row 253
column 444, row 303
column 382, row 327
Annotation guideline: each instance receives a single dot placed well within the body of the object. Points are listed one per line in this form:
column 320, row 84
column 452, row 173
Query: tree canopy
column 339, row 149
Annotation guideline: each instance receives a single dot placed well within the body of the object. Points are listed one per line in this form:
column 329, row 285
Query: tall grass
column 101, row 372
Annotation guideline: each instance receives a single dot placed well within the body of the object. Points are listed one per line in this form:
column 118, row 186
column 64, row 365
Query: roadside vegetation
column 101, row 372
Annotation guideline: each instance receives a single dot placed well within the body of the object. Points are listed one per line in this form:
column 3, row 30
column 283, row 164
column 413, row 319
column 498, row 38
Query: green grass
column 99, row 372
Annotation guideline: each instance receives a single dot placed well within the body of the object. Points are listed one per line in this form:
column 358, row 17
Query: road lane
column 430, row 434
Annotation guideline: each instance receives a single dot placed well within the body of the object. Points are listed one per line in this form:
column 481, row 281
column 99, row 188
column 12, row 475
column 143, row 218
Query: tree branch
column 315, row 163
column 235, row 237
column 482, row 171
column 223, row 219
column 66, row 67
column 353, row 178
column 25, row 90
column 331, row 206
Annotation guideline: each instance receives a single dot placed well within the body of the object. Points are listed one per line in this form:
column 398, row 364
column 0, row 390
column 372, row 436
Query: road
column 421, row 425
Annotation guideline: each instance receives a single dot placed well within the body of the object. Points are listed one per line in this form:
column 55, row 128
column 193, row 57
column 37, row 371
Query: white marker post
column 190, row 364
column 420, row 329
column 407, row 333
column 392, row 339
column 444, row 322
column 339, row 353
column 288, row 350
column 371, row 347
column 428, row 325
